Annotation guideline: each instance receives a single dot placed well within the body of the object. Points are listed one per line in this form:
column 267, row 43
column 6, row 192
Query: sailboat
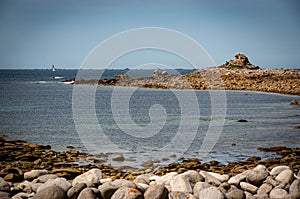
column 53, row 70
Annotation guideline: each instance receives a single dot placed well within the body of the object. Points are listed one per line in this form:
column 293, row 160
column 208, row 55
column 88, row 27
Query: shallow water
column 143, row 123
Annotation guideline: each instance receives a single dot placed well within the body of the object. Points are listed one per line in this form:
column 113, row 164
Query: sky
column 38, row 34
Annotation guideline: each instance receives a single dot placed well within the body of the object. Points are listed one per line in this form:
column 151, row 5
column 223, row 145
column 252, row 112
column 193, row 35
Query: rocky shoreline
column 237, row 74
column 30, row 170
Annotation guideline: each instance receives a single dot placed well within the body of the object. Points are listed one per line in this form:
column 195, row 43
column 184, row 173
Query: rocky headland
column 30, row 170
column 237, row 74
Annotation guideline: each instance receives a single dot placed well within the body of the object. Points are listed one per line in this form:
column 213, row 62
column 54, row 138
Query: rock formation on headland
column 237, row 74
column 240, row 61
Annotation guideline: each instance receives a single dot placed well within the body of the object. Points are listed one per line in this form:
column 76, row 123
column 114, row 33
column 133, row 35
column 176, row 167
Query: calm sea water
column 37, row 108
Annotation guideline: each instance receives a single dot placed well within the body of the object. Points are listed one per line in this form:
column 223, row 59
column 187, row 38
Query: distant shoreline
column 284, row 81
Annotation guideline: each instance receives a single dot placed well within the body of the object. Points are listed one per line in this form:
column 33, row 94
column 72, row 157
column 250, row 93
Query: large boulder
column 211, row 192
column 90, row 178
column 295, row 189
column 278, row 193
column 285, row 176
column 4, row 186
column 30, row 175
column 87, row 193
column 74, row 192
column 181, row 184
column 156, row 192
column 51, row 192
column 128, row 193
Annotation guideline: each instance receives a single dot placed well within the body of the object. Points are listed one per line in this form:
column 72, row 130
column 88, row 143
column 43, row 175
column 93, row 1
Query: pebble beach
column 35, row 171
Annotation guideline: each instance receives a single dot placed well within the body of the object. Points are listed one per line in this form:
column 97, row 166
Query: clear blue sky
column 37, row 34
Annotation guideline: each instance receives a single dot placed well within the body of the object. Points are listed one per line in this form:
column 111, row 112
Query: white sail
column 53, row 68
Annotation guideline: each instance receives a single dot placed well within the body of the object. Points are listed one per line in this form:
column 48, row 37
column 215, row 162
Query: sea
column 142, row 123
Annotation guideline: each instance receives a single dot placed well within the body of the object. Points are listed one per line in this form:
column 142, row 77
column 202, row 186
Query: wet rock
column 90, row 178
column 74, row 191
column 248, row 187
column 294, row 102
column 128, row 193
column 285, row 176
column 278, row 169
column 118, row 157
column 4, row 186
column 30, row 175
column 211, row 192
column 278, row 193
column 242, row 120
column 181, row 195
column 87, row 193
column 156, row 192
column 51, row 192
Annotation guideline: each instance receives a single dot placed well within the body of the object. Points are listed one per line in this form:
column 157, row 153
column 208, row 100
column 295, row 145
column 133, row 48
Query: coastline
column 20, row 157
column 284, row 81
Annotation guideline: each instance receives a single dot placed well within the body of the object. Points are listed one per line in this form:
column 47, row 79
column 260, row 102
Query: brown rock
column 294, row 102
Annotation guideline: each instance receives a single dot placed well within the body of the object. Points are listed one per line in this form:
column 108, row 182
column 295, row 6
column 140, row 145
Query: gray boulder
column 180, row 184
column 211, row 192
column 248, row 187
column 46, row 177
column 295, row 189
column 256, row 177
column 74, row 192
column 277, row 193
column 90, row 178
column 181, row 195
column 4, row 186
column 199, row 186
column 156, row 192
column 51, row 192
column 30, row 175
column 144, row 178
column 60, row 182
column 278, row 169
column 285, row 177
column 235, row 194
column 87, row 193
column 264, row 189
column 127, row 193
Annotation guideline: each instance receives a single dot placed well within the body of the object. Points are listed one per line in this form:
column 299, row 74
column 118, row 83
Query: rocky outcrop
column 240, row 61
column 237, row 74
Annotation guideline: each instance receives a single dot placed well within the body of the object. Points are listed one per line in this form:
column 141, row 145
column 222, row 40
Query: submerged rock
column 294, row 102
